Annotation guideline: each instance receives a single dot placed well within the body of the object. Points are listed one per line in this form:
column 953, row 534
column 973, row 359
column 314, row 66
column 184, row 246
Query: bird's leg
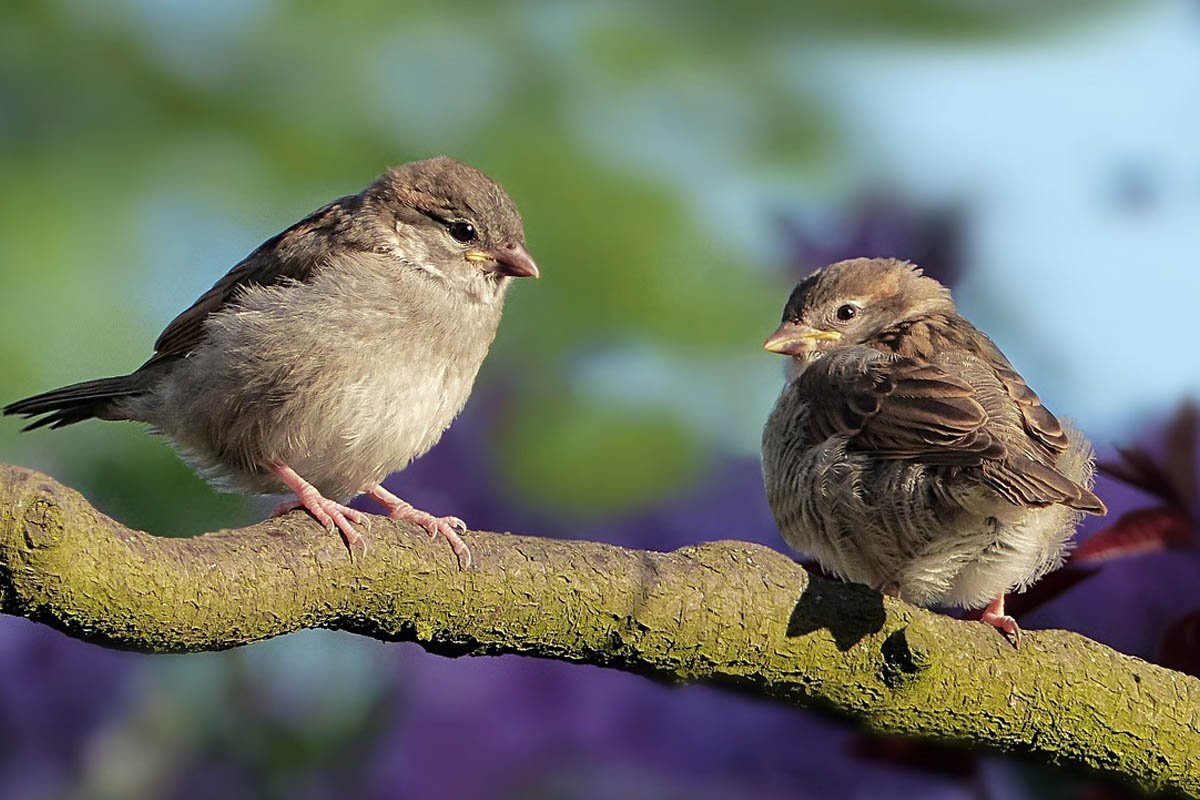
column 327, row 512
column 994, row 615
column 444, row 526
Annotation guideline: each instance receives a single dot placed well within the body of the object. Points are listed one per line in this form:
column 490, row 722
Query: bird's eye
column 462, row 230
column 847, row 312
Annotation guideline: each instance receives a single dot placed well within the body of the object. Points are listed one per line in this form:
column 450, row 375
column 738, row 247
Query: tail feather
column 75, row 403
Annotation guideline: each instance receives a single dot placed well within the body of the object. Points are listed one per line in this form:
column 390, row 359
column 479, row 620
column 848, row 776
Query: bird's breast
column 344, row 379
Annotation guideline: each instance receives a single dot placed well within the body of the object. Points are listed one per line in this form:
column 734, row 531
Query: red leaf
column 1145, row 530
column 1181, row 645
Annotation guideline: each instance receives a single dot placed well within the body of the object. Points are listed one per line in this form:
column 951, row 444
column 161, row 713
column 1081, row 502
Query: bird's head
column 456, row 223
column 850, row 302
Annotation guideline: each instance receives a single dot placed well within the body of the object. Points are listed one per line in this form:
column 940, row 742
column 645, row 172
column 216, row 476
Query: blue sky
column 1078, row 156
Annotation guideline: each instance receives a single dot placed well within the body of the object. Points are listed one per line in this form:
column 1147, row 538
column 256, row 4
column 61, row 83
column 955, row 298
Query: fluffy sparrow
column 335, row 353
column 906, row 453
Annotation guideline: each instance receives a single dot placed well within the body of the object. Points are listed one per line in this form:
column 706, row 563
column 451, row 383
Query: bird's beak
column 511, row 259
column 796, row 339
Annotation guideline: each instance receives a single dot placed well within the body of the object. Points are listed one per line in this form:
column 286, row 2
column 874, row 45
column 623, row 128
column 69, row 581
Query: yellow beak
column 795, row 338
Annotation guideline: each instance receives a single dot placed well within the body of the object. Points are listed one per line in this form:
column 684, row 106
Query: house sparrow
column 906, row 453
column 335, row 353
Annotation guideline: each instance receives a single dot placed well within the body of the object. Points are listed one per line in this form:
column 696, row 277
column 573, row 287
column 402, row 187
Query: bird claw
column 438, row 526
column 342, row 519
column 332, row 515
column 335, row 517
column 1005, row 624
column 446, row 527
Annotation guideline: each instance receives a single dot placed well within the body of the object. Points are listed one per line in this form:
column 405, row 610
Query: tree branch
column 728, row 613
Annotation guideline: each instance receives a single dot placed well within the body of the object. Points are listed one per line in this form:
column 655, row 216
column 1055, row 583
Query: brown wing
column 906, row 408
column 897, row 407
column 1028, row 474
column 293, row 255
column 1041, row 425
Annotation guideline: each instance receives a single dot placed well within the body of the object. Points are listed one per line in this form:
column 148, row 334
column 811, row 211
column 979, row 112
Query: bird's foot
column 994, row 615
column 446, row 527
column 330, row 514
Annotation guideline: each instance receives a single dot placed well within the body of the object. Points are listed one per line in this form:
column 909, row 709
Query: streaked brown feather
column 1043, row 426
column 897, row 408
column 1033, row 437
column 926, row 337
column 1026, row 482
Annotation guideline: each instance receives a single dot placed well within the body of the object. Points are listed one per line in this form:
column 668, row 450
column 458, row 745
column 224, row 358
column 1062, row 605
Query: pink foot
column 436, row 526
column 330, row 514
column 994, row 615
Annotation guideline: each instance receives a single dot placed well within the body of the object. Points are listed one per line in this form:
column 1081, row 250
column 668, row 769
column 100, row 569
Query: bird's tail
column 76, row 402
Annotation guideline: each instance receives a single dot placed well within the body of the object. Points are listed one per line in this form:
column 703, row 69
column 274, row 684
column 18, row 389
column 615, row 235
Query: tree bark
column 726, row 613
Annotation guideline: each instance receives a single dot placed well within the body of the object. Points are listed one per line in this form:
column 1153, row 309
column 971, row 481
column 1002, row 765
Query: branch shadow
column 849, row 611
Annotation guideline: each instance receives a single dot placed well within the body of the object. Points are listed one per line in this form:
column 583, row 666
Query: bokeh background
column 678, row 168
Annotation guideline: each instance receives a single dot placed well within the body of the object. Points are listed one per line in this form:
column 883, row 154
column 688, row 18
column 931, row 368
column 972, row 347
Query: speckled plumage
column 906, row 453
column 341, row 348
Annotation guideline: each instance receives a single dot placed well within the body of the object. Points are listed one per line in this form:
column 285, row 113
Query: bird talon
column 331, row 515
column 889, row 587
column 994, row 615
column 435, row 526
column 1006, row 625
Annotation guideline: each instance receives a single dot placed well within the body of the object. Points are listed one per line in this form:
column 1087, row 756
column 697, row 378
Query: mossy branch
column 727, row 613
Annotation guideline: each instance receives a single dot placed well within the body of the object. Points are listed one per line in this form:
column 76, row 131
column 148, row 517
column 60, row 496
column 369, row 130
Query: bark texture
column 728, row 613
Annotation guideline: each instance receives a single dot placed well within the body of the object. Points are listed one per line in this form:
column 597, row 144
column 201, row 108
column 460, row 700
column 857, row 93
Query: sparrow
column 905, row 451
column 335, row 353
